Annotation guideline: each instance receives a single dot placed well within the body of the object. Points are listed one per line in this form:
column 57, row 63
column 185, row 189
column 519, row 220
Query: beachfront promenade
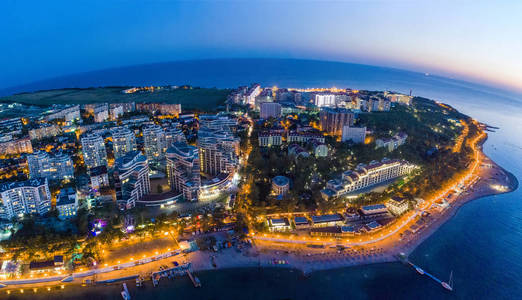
column 389, row 236
column 88, row 273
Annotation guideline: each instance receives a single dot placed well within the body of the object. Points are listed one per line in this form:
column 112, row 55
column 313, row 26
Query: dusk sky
column 478, row 41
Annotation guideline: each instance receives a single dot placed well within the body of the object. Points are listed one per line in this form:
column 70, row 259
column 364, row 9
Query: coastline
column 491, row 174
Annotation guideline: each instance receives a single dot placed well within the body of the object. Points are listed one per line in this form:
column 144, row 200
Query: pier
column 447, row 285
column 195, row 280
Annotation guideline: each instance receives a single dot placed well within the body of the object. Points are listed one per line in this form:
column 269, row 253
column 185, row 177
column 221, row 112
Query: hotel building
column 366, row 176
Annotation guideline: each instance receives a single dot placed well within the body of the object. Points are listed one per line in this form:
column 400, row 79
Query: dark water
column 481, row 244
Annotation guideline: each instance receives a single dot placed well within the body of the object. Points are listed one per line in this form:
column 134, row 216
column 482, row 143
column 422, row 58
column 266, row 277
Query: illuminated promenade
column 390, row 236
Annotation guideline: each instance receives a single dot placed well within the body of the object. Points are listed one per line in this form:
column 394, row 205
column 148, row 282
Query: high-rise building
column 218, row 151
column 332, row 120
column 355, row 134
column 131, row 178
column 101, row 112
column 123, row 141
column 269, row 109
column 155, row 144
column 183, row 170
column 322, row 100
column 173, row 135
column 94, row 152
column 25, row 197
column 52, row 167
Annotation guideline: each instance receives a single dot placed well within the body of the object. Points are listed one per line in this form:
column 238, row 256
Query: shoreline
column 315, row 260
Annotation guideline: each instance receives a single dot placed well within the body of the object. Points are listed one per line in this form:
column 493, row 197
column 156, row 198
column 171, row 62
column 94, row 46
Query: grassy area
column 195, row 98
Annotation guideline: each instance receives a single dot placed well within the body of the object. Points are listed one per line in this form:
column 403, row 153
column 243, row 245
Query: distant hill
column 194, row 98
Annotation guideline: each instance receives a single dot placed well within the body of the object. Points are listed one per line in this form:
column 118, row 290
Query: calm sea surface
column 481, row 244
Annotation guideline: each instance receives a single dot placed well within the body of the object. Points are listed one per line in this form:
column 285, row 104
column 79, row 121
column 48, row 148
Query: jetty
column 195, row 280
column 447, row 285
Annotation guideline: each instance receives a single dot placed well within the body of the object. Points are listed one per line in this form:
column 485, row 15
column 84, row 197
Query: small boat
column 125, row 293
column 198, row 282
column 449, row 285
column 419, row 270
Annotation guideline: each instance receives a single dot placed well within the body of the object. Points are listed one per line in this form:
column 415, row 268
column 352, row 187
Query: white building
column 123, row 141
column 320, row 149
column 367, row 175
column 397, row 205
column 57, row 167
column 99, row 177
column 101, row 112
column 251, row 94
column 269, row 139
column 280, row 185
column 269, row 110
column 25, row 197
column 322, row 100
column 115, row 111
column 279, row 224
column 44, row 130
column 392, row 143
column 94, row 152
column 154, row 142
column 68, row 113
column 355, row 134
column 67, row 203
column 132, row 179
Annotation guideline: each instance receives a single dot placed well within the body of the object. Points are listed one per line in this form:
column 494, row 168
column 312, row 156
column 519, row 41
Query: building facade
column 183, row 170
column 324, row 100
column 218, row 151
column 52, row 167
column 367, row 175
column 25, row 197
column 67, row 203
column 270, row 138
column 94, row 151
column 354, row 134
column 332, row 121
column 269, row 110
column 131, row 179
column 154, row 142
column 123, row 141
